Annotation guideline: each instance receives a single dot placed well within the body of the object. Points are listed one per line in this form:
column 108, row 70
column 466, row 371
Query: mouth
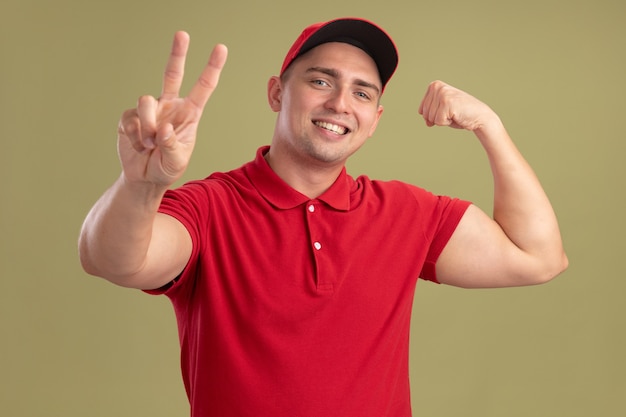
column 331, row 127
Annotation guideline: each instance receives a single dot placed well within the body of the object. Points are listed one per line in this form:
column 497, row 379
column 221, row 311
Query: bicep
column 169, row 251
column 480, row 255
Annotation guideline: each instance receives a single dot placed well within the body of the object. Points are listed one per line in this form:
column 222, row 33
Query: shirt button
column 317, row 245
column 311, row 208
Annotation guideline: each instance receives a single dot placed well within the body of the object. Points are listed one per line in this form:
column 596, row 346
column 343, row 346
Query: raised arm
column 123, row 238
column 521, row 244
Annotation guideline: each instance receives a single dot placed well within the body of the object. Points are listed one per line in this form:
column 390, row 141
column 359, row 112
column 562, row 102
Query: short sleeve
column 447, row 214
column 186, row 205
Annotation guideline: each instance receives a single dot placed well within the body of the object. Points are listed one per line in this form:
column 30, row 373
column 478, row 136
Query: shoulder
column 217, row 182
column 397, row 190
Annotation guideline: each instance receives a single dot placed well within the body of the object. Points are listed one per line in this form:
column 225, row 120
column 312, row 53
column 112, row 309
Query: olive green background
column 74, row 345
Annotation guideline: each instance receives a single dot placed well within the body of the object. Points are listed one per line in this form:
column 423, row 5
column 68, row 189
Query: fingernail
column 148, row 143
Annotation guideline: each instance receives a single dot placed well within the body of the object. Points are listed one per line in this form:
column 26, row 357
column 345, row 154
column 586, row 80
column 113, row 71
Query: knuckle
column 172, row 74
column 208, row 83
column 145, row 100
column 129, row 124
column 437, row 84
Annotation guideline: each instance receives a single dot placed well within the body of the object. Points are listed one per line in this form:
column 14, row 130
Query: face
column 327, row 104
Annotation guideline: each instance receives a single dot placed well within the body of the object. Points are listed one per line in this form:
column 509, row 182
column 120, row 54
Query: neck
column 308, row 179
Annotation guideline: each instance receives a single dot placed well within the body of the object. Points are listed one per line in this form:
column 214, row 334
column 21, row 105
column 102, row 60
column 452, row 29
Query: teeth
column 333, row 128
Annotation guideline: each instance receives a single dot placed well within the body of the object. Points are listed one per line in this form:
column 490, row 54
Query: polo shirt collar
column 281, row 195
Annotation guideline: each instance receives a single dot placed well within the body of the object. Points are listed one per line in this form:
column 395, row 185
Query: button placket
column 311, row 209
column 313, row 214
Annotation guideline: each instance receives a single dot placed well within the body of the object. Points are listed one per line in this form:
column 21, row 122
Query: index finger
column 206, row 84
column 175, row 68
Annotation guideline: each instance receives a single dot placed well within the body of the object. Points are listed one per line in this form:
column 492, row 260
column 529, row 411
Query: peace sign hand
column 156, row 139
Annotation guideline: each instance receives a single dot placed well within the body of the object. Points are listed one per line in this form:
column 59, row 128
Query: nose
column 338, row 101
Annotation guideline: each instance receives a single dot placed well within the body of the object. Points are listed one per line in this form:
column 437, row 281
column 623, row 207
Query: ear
column 274, row 93
column 379, row 113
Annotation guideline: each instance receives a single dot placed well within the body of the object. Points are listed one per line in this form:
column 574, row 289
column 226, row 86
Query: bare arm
column 521, row 244
column 123, row 238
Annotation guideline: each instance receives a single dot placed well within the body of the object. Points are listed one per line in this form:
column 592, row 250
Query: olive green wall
column 554, row 70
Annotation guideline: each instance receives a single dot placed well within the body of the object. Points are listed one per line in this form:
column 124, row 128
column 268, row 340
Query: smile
column 340, row 130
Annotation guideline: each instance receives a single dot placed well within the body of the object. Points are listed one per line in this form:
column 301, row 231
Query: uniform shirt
column 299, row 307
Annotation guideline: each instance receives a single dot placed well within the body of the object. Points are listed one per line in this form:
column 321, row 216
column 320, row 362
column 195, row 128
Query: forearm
column 117, row 232
column 521, row 206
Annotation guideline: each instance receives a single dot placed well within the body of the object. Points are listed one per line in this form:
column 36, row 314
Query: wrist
column 491, row 128
column 141, row 192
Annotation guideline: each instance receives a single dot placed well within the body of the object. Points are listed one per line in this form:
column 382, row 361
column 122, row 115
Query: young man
column 292, row 282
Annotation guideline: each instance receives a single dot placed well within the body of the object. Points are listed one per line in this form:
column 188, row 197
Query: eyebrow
column 336, row 74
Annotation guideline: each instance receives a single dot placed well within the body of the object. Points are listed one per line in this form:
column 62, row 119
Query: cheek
column 370, row 124
column 374, row 121
column 290, row 118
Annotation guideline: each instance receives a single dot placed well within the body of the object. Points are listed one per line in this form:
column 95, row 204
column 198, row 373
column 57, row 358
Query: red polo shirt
column 300, row 307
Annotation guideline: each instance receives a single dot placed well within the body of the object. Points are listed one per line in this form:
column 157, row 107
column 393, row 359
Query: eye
column 363, row 95
column 319, row 82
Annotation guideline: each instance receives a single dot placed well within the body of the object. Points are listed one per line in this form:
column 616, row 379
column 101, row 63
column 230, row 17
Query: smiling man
column 292, row 282
column 328, row 106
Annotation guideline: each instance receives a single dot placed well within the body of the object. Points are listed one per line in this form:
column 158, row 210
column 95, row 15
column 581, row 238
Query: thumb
column 172, row 158
column 166, row 138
